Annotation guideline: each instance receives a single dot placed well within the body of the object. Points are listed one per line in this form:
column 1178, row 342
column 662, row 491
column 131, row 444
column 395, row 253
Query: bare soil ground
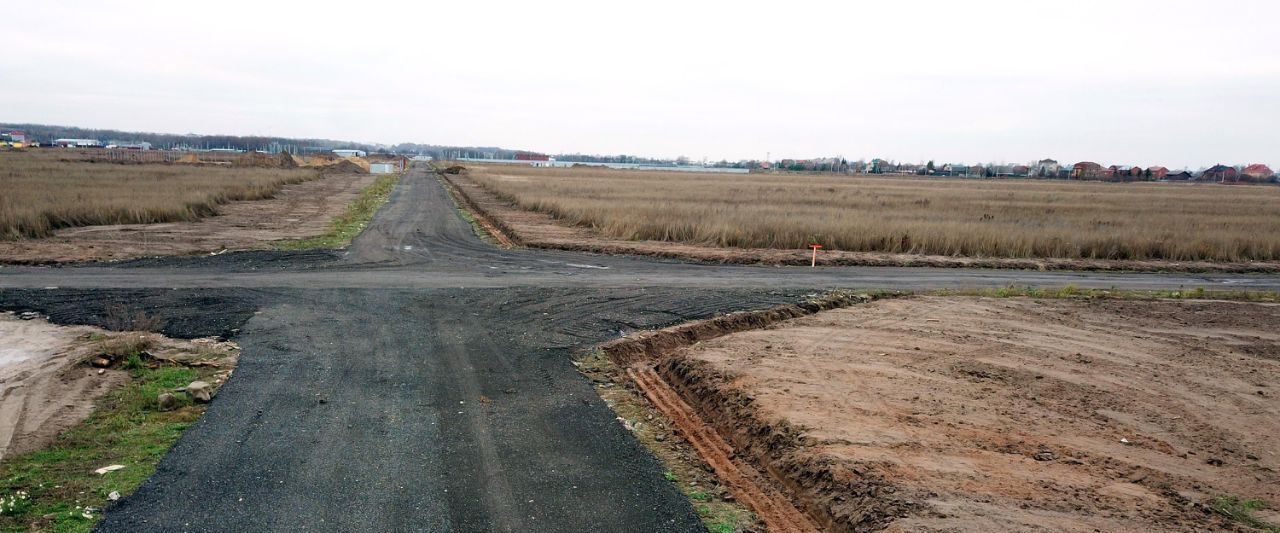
column 47, row 384
column 979, row 414
column 541, row 230
column 300, row 211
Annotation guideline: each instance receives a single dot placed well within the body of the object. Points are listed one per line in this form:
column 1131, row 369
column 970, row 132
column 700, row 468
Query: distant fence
column 139, row 156
column 115, row 155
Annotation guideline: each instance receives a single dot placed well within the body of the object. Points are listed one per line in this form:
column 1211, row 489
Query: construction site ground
column 1017, row 414
column 300, row 211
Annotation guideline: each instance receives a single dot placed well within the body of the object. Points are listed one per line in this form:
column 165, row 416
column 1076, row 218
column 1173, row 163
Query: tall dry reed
column 954, row 217
column 41, row 191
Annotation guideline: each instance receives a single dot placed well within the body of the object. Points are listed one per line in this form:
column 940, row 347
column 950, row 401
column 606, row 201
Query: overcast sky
column 1179, row 83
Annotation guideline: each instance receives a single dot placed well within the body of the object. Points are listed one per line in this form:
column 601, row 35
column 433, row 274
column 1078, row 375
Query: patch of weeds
column 118, row 317
column 15, row 504
column 724, row 520
column 353, row 221
column 133, row 362
column 657, row 433
column 125, row 345
column 56, row 489
column 1242, row 511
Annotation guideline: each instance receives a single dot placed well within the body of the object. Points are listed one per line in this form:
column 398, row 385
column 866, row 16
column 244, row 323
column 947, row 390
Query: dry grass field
column 950, row 217
column 41, row 191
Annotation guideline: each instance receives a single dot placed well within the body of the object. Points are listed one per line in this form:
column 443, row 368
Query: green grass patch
column 1242, row 511
column 56, row 489
column 357, row 217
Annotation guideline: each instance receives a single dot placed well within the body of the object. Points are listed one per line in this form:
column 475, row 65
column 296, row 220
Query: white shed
column 382, row 168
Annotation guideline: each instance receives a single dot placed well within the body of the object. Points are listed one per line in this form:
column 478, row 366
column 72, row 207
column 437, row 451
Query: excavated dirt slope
column 973, row 414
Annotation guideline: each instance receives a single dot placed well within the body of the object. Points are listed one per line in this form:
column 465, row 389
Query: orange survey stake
column 815, row 254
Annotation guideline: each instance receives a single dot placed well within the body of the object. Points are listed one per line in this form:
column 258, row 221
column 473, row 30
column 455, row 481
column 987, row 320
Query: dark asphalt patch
column 180, row 313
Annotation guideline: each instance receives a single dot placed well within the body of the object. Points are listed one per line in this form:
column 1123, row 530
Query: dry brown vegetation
column 952, row 217
column 43, row 191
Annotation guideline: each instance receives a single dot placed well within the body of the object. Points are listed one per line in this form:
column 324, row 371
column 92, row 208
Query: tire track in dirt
column 778, row 513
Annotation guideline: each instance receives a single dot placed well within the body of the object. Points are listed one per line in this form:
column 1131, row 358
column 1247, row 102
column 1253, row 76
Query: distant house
column 77, row 143
column 16, row 136
column 1220, row 173
column 1010, row 171
column 880, row 166
column 1087, row 170
column 977, row 171
column 1180, row 175
column 1158, row 172
column 1046, row 168
column 955, row 169
column 1257, row 172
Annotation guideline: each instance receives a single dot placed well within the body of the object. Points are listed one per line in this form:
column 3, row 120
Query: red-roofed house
column 1087, row 170
column 1257, row 172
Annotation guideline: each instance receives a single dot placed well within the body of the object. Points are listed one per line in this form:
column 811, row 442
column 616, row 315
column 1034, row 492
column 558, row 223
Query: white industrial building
column 77, row 143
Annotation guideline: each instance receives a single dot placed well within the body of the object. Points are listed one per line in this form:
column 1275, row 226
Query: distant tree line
column 46, row 134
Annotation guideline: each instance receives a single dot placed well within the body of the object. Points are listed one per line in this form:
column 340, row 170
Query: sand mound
column 319, row 160
column 346, row 166
column 288, row 160
column 257, row 160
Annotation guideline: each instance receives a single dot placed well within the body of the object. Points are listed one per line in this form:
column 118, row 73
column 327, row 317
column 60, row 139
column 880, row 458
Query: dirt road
column 421, row 380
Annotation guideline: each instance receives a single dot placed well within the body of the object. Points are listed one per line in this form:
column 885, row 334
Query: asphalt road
column 421, row 380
